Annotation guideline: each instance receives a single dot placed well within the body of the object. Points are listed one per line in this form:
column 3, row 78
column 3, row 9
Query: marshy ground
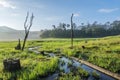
column 103, row 52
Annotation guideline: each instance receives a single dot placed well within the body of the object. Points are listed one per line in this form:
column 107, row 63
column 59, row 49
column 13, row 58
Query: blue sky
column 49, row 12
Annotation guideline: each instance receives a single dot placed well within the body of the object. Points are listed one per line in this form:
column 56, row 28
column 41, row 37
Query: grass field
column 104, row 52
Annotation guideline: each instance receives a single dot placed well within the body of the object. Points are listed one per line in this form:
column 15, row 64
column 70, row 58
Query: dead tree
column 18, row 47
column 72, row 31
column 27, row 28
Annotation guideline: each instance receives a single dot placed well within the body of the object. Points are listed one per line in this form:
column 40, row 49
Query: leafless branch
column 25, row 23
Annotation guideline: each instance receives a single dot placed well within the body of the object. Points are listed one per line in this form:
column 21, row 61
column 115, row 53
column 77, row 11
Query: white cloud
column 76, row 14
column 6, row 4
column 108, row 10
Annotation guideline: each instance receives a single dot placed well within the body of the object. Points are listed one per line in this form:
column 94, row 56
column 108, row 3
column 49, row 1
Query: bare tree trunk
column 71, row 31
column 24, row 42
column 18, row 47
column 27, row 28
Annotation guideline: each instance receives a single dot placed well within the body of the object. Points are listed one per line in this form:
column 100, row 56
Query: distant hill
column 7, row 33
column 7, row 29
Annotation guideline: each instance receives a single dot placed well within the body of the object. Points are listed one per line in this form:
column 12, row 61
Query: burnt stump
column 18, row 47
column 11, row 64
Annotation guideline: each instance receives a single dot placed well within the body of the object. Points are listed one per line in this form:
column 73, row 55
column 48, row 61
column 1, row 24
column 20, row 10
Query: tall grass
column 104, row 52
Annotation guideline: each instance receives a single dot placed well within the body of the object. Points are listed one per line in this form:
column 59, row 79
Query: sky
column 52, row 12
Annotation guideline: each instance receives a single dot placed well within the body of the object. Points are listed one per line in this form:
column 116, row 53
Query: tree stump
column 42, row 52
column 11, row 64
column 83, row 47
column 18, row 47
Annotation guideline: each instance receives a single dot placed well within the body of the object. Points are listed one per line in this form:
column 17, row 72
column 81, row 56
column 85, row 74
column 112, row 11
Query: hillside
column 6, row 29
column 7, row 33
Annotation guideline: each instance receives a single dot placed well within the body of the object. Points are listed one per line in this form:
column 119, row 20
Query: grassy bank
column 33, row 65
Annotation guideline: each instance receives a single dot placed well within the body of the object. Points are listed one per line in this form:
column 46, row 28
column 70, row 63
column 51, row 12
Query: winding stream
column 75, row 63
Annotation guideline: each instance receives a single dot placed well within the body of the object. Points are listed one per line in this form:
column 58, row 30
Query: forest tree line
column 95, row 29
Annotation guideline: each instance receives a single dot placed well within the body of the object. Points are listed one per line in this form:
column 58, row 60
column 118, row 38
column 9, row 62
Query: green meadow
column 103, row 52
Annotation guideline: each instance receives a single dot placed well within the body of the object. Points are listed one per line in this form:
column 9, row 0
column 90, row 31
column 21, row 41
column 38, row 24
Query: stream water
column 76, row 64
